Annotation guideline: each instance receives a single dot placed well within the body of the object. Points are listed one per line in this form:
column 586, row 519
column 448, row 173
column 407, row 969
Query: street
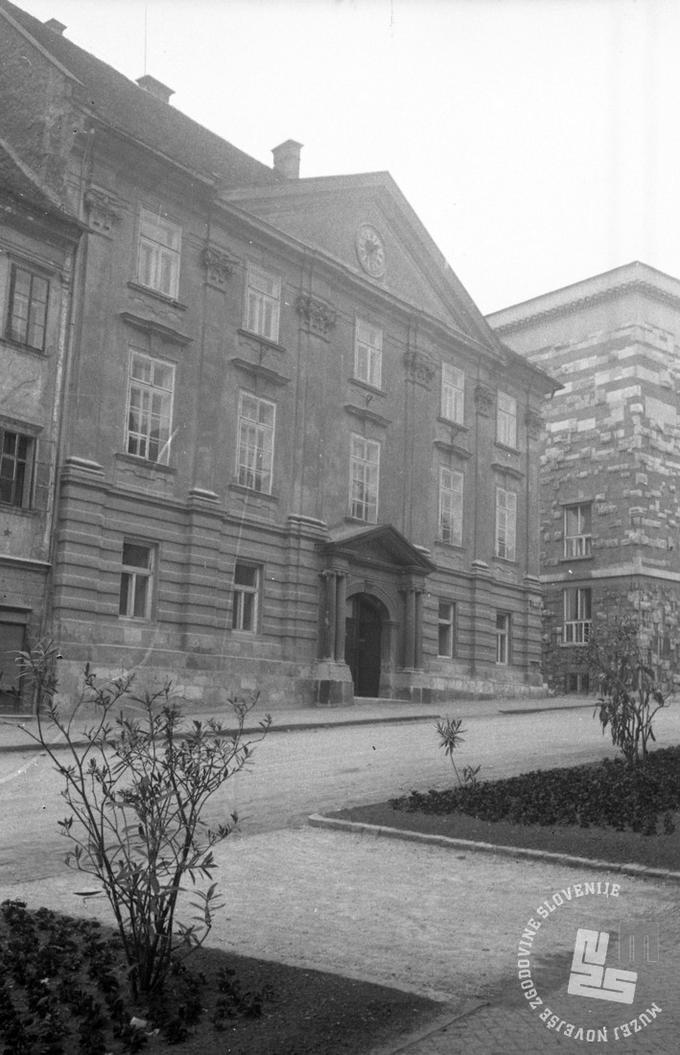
column 297, row 773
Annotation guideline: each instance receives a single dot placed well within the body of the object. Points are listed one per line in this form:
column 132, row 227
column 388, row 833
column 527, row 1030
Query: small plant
column 451, row 737
column 630, row 689
column 136, row 791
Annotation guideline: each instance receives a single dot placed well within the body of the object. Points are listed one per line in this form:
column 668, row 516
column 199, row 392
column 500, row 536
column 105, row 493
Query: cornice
column 637, row 285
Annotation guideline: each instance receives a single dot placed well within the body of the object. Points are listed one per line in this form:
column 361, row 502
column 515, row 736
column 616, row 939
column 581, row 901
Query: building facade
column 610, row 541
column 38, row 240
column 296, row 457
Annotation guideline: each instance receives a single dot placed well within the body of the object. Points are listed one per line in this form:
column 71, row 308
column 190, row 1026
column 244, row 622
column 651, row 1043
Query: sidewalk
column 14, row 731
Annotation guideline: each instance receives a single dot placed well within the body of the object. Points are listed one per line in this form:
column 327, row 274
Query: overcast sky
column 538, row 140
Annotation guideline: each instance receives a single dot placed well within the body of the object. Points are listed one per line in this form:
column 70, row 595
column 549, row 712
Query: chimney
column 287, row 159
column 55, row 26
column 155, row 88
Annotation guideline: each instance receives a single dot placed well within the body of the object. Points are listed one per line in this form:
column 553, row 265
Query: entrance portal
column 363, row 640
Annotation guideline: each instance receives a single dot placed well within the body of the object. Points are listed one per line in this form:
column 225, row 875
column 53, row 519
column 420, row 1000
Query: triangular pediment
column 331, row 213
column 381, row 545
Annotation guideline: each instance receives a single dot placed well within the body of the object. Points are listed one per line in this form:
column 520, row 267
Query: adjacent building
column 295, row 456
column 610, row 539
column 38, row 240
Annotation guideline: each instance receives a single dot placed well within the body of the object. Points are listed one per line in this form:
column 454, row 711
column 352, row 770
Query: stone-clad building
column 38, row 239
column 609, row 478
column 296, row 457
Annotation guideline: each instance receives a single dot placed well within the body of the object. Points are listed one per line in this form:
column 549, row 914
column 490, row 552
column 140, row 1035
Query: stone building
column 609, row 477
column 296, row 456
column 38, row 239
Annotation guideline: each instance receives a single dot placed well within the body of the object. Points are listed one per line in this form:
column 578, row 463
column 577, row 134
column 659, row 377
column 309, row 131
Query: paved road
column 298, row 773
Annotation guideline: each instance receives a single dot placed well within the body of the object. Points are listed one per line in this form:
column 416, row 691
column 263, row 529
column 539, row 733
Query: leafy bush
column 609, row 794
column 136, row 791
column 630, row 688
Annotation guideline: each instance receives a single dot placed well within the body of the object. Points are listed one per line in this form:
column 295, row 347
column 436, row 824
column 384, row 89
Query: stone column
column 340, row 603
column 409, row 629
column 418, row 631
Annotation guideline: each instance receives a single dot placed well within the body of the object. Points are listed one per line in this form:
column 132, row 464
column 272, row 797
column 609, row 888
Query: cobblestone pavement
column 438, row 922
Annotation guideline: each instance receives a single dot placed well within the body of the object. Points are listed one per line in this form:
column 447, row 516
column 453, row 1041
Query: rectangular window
column 453, row 393
column 136, row 580
column 256, row 419
column 149, row 415
column 451, row 506
column 27, row 316
column 16, row 468
column 506, row 420
column 158, row 258
column 263, row 299
column 503, row 637
column 446, row 629
column 577, row 530
column 364, row 479
column 577, row 615
column 577, row 681
column 506, row 523
column 368, row 353
column 245, row 608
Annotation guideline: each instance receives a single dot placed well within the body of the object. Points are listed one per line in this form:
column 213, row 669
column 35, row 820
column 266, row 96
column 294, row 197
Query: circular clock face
column 370, row 250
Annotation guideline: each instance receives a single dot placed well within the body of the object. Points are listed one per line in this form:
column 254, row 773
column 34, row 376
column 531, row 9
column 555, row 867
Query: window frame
column 368, row 352
column 580, row 540
column 370, row 481
column 449, row 494
column 506, row 528
column 258, row 299
column 446, row 624
column 22, row 339
column 242, row 590
column 146, row 413
column 160, row 254
column 261, row 430
column 452, row 406
column 577, row 631
column 503, row 638
column 25, row 500
column 130, row 574
column 506, row 420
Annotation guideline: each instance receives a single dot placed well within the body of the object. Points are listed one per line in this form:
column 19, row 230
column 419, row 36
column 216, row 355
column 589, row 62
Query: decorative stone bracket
column 218, row 265
column 484, row 401
column 318, row 316
column 103, row 210
column 420, row 369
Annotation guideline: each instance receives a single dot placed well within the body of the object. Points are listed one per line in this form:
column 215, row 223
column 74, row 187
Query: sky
column 537, row 140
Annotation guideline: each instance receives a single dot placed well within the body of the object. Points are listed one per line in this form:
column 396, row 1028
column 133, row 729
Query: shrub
column 136, row 790
column 630, row 688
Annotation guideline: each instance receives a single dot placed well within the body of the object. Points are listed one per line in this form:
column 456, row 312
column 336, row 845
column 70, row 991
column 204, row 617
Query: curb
column 287, row 727
column 316, row 820
column 437, row 1025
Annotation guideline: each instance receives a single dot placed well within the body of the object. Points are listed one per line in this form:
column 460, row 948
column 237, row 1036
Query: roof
column 19, row 182
column 124, row 106
column 634, row 277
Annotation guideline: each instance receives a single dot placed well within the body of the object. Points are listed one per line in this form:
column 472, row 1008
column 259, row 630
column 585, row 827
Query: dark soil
column 601, row 844
column 63, row 990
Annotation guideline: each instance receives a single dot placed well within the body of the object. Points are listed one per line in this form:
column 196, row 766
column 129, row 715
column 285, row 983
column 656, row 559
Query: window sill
column 506, row 560
column 451, row 423
column 157, row 295
column 144, row 463
column 357, row 520
column 252, row 492
column 375, row 390
column 506, row 447
column 458, row 546
column 22, row 511
column 570, row 560
column 267, row 342
column 18, row 346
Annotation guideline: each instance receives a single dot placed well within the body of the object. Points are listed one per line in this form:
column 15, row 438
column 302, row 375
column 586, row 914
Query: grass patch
column 63, row 991
column 606, row 811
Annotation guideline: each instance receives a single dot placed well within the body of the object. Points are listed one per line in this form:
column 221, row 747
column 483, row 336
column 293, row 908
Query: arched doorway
column 363, row 643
